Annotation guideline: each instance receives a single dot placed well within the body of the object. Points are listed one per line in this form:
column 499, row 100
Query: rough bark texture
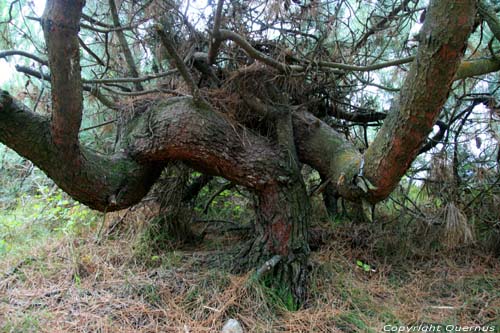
column 180, row 129
column 447, row 27
column 61, row 23
column 427, row 85
column 330, row 199
column 283, row 214
column 105, row 183
column 328, row 152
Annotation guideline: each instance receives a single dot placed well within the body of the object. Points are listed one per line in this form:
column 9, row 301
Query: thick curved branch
column 447, row 27
column 105, row 183
column 177, row 129
column 181, row 129
column 407, row 126
column 328, row 152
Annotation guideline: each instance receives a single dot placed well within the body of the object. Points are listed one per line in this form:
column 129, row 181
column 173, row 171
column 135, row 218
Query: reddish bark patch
column 280, row 236
column 462, row 20
column 446, row 52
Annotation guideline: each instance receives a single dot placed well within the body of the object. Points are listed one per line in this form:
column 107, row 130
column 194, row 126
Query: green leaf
column 359, row 263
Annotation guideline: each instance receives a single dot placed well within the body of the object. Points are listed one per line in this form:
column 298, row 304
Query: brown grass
column 76, row 285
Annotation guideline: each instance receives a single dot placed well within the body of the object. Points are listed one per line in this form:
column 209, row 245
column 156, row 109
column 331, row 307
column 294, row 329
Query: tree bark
column 444, row 34
column 447, row 27
column 216, row 146
column 283, row 215
column 61, row 23
column 330, row 199
column 172, row 226
column 183, row 130
column 105, row 183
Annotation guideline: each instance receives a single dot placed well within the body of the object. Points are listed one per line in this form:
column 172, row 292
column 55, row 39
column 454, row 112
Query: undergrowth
column 65, row 268
column 49, row 213
column 77, row 283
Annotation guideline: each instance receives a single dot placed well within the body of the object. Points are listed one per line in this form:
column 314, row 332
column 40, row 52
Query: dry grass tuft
column 457, row 230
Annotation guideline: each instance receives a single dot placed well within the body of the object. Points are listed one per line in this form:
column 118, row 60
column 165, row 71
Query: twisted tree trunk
column 283, row 216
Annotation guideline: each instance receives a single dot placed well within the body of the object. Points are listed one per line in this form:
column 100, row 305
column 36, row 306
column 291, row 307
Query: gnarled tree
column 254, row 108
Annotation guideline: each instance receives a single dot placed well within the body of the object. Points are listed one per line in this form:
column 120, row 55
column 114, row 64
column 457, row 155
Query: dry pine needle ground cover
column 76, row 284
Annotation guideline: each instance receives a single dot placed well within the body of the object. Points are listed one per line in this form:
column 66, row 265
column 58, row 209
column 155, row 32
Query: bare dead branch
column 485, row 9
column 221, row 189
column 133, row 79
column 216, row 40
column 179, row 63
column 267, row 267
column 7, row 53
column 124, row 45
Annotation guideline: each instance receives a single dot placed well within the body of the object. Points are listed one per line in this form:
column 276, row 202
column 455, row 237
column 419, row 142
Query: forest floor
column 84, row 283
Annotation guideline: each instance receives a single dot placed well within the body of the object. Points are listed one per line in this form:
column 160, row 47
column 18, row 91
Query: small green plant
column 366, row 267
column 3, row 246
column 150, row 293
column 278, row 295
column 26, row 324
column 35, row 217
